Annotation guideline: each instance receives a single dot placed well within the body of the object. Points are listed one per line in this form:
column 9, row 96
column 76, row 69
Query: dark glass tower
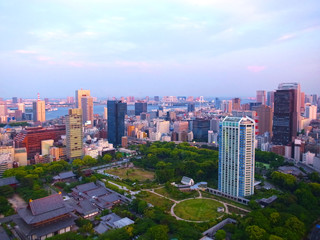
column 284, row 126
column 191, row 107
column 116, row 127
column 140, row 107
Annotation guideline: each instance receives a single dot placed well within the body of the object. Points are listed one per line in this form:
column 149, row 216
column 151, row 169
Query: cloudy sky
column 163, row 47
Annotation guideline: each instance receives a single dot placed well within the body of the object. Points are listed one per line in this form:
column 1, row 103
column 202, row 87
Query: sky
column 164, row 47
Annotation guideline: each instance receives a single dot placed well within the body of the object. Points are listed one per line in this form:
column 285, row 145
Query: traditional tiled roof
column 64, row 175
column 85, row 187
column 123, row 222
column 44, row 208
column 8, row 181
column 97, row 192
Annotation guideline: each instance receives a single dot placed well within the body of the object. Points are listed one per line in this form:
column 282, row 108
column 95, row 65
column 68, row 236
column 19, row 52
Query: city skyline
column 98, row 44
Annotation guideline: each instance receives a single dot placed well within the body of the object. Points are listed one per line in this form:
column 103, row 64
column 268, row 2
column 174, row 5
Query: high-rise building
column 180, row 126
column 79, row 94
column 302, row 98
column 105, row 113
column 116, row 127
column 296, row 102
column 3, row 109
column 284, row 127
column 236, row 104
column 21, row 107
column 270, row 99
column 236, row 156
column 191, row 107
column 156, row 98
column 87, row 109
column 200, row 129
column 70, row 100
column 265, row 116
column 74, row 133
column 261, row 97
column 140, row 107
column 39, row 111
column 226, row 106
column 311, row 111
column 14, row 100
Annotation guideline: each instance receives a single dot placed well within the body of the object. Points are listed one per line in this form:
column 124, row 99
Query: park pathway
column 199, row 197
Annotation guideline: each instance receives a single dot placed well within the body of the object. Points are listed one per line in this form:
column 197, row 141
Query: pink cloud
column 24, row 51
column 286, row 37
column 256, row 69
column 43, row 58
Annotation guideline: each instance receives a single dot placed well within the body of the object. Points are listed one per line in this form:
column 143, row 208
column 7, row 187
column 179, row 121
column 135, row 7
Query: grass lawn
column 225, row 200
column 198, row 209
column 156, row 200
column 177, row 195
column 132, row 173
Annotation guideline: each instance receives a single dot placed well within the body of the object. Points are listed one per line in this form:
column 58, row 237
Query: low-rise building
column 45, row 217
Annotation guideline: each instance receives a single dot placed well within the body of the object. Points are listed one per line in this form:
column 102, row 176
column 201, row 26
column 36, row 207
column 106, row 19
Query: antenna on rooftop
column 38, row 96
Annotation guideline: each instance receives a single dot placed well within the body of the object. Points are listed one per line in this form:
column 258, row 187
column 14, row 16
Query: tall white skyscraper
column 39, row 111
column 236, row 156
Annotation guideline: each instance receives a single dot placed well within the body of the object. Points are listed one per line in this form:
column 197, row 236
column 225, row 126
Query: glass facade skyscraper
column 116, row 127
column 236, row 156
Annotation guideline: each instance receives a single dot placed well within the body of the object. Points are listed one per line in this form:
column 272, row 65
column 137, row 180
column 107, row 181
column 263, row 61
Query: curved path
column 199, row 197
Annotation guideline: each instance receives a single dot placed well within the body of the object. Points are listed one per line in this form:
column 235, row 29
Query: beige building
column 105, row 113
column 20, row 156
column 39, row 111
column 45, row 146
column 21, row 107
column 74, row 133
column 87, row 110
column 79, row 94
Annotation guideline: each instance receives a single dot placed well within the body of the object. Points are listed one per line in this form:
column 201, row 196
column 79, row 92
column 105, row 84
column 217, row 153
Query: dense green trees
column 171, row 161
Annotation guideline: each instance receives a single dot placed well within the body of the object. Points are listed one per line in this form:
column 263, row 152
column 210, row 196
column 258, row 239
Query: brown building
column 236, row 104
column 31, row 138
column 124, row 141
column 265, row 116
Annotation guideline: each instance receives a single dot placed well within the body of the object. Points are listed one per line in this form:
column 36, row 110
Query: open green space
column 198, row 209
column 176, row 194
column 155, row 200
column 225, row 200
column 132, row 173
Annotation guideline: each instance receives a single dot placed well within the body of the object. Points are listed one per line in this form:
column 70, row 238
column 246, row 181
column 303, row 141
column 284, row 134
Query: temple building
column 44, row 218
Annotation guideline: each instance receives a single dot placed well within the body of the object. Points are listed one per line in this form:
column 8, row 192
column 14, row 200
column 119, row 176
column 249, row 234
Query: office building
column 311, row 111
column 116, row 127
column 236, row 104
column 284, row 127
column 226, row 106
column 265, row 116
column 87, row 110
column 156, row 98
column 105, row 113
column 74, row 133
column 236, row 156
column 261, row 97
column 191, row 107
column 140, row 107
column 200, row 129
column 302, row 99
column 270, row 99
column 79, row 94
column 22, row 107
column 31, row 138
column 296, row 102
column 163, row 127
column 180, row 126
column 39, row 111
column 14, row 100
